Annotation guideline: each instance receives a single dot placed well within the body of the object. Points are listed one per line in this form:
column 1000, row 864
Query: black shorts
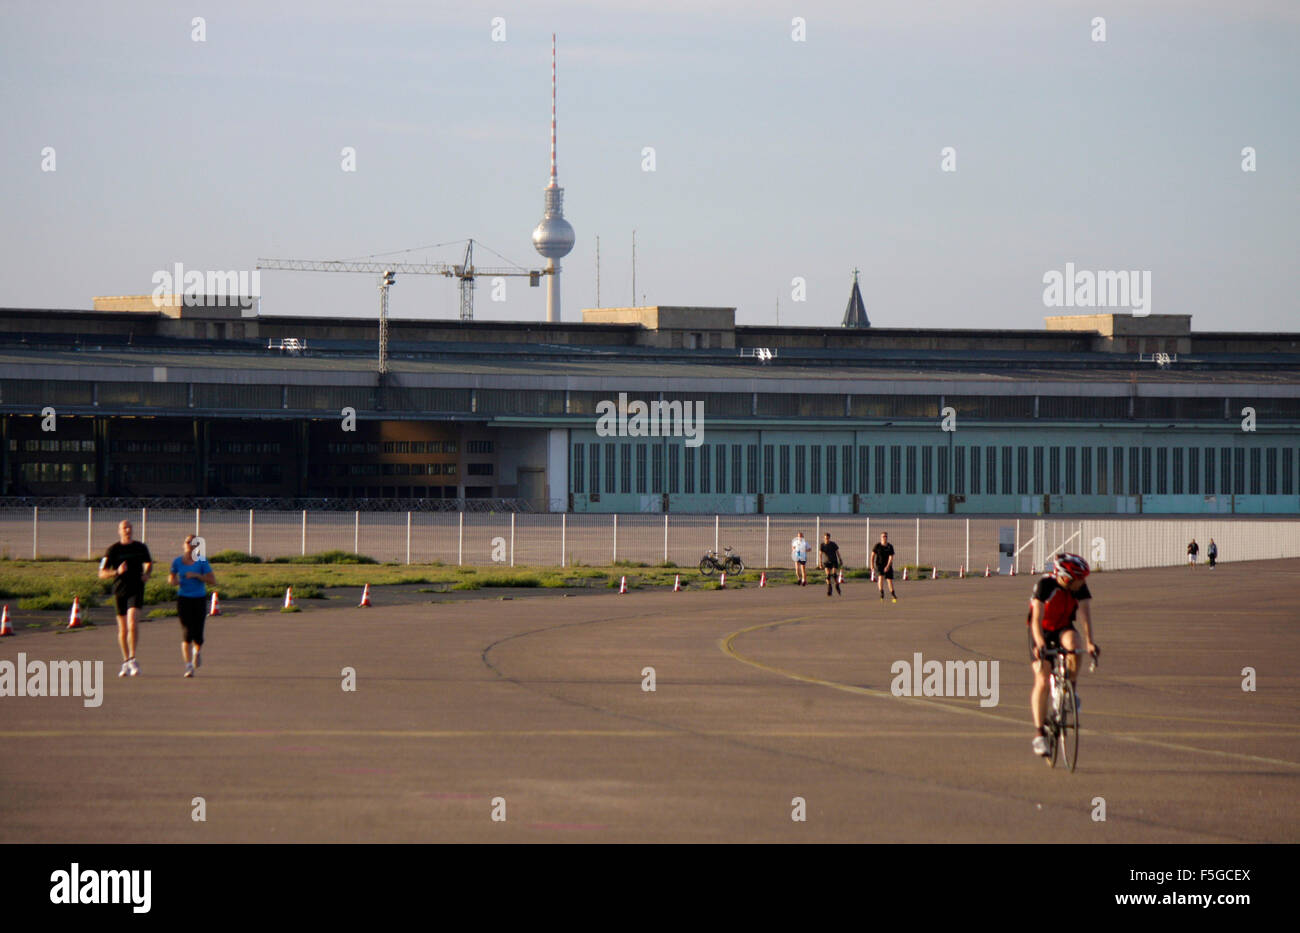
column 1053, row 639
column 193, row 611
column 129, row 598
column 885, row 574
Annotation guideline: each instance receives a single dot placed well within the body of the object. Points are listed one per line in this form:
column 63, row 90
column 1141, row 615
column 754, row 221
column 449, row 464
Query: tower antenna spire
column 553, row 237
column 554, row 183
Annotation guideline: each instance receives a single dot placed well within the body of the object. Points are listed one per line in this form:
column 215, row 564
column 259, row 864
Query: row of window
column 138, row 474
column 57, row 472
column 51, row 446
column 391, row 447
column 264, row 473
column 915, row 469
column 394, row 469
column 246, row 447
column 150, row 447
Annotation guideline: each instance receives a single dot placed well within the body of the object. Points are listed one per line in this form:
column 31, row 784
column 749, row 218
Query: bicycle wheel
column 1070, row 726
column 707, row 566
column 735, row 565
column 1053, row 729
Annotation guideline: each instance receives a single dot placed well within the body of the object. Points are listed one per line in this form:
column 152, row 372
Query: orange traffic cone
column 289, row 602
column 5, row 627
column 961, row 571
column 365, row 598
column 722, row 581
column 677, row 583
column 1031, row 570
column 215, row 608
column 622, row 585
column 873, row 574
column 74, row 621
column 762, row 580
column 934, row 573
column 904, row 573
column 986, row 571
column 1013, row 570
column 839, row 579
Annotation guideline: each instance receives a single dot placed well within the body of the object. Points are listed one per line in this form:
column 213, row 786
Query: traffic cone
column 215, row 608
column 961, row 571
column 905, row 574
column 722, row 581
column 1031, row 570
column 5, row 627
column 74, row 621
column 677, row 583
column 1013, row 570
column 986, row 570
column 762, row 580
column 934, row 573
column 365, row 598
column 873, row 574
column 289, row 602
column 622, row 585
column 839, row 579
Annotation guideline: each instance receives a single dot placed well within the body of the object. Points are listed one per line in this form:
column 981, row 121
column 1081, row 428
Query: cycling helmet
column 1070, row 566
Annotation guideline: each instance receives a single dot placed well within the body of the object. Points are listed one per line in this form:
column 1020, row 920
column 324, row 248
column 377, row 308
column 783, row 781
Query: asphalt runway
column 762, row 696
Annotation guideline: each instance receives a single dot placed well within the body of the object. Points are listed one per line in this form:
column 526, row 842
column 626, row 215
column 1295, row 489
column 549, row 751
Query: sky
column 792, row 142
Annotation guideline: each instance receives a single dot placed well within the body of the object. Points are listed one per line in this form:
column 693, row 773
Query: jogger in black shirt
column 829, row 558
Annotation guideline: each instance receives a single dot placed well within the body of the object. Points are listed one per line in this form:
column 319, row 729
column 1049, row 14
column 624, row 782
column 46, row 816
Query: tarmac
column 525, row 716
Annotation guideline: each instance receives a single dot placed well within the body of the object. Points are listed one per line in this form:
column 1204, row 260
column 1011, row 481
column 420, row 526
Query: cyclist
column 1059, row 597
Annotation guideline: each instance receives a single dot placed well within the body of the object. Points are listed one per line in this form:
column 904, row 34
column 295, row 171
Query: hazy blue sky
column 775, row 158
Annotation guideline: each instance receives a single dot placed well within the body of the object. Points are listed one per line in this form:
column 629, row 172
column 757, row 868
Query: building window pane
column 943, row 487
column 911, row 470
column 801, row 469
column 752, row 469
column 577, row 467
column 1006, row 471
column 1162, row 471
column 895, row 469
column 657, row 469
column 674, row 474
column 785, row 469
column 1270, row 472
column 1038, row 471
column 609, row 467
column 1288, row 474
column 927, row 470
column 1070, row 455
column 625, row 480
column 1210, row 464
column 846, row 468
column 1178, row 471
column 959, row 470
column 864, row 472
column 688, row 475
column 880, row 469
column 1193, row 470
column 593, row 451
column 1022, row 471
column 706, row 464
column 830, row 471
column 1054, row 471
column 1225, row 470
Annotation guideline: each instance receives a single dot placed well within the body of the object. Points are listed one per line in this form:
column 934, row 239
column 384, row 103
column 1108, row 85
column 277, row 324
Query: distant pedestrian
column 128, row 564
column 1192, row 550
column 882, row 559
column 192, row 574
column 829, row 558
column 1212, row 552
column 799, row 553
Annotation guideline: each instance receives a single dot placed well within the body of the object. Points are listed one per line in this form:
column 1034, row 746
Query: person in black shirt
column 128, row 564
column 829, row 558
column 1193, row 549
column 882, row 559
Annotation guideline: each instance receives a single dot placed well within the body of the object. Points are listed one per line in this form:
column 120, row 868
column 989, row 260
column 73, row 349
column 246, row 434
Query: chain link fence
column 549, row 540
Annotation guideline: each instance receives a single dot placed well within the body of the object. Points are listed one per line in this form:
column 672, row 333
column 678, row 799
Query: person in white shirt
column 799, row 553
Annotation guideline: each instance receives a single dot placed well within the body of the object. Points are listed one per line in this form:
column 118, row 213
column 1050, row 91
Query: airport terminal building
column 1095, row 414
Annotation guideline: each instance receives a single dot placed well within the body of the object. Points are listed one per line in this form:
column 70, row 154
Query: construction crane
column 466, row 272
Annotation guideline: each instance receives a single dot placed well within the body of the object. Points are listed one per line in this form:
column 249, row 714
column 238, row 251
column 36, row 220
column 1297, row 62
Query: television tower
column 553, row 237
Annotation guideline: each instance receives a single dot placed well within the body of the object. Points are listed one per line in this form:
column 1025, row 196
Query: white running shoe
column 189, row 670
column 126, row 669
column 1040, row 746
column 134, row 667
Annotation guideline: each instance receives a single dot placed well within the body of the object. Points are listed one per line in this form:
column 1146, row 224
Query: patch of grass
column 467, row 585
column 630, row 563
column 234, row 557
column 290, row 609
column 161, row 613
column 326, row 557
column 498, row 579
column 49, row 601
column 667, row 563
column 465, row 570
column 260, row 608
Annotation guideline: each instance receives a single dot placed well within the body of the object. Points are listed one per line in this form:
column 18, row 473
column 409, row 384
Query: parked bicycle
column 1062, row 725
column 730, row 563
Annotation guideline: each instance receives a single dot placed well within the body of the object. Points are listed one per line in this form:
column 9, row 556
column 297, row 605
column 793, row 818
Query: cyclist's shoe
column 1041, row 746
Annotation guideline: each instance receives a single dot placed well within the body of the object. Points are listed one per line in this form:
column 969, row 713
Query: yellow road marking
column 727, row 644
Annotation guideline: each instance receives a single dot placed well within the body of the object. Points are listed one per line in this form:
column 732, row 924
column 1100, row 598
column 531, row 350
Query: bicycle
column 731, row 563
column 1062, row 724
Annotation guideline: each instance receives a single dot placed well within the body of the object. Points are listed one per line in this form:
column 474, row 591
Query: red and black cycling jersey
column 1059, row 604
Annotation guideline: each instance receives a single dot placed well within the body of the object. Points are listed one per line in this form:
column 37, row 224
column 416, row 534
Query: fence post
column 144, row 524
column 304, row 532
column 1015, row 564
column 250, row 531
column 460, row 541
column 564, row 538
column 665, row 537
column 36, row 525
column 512, row 539
column 90, row 511
column 967, row 562
column 767, row 543
column 615, row 558
column 918, row 546
column 715, row 534
column 868, row 551
column 356, row 531
column 408, row 537
column 817, row 535
column 196, row 523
